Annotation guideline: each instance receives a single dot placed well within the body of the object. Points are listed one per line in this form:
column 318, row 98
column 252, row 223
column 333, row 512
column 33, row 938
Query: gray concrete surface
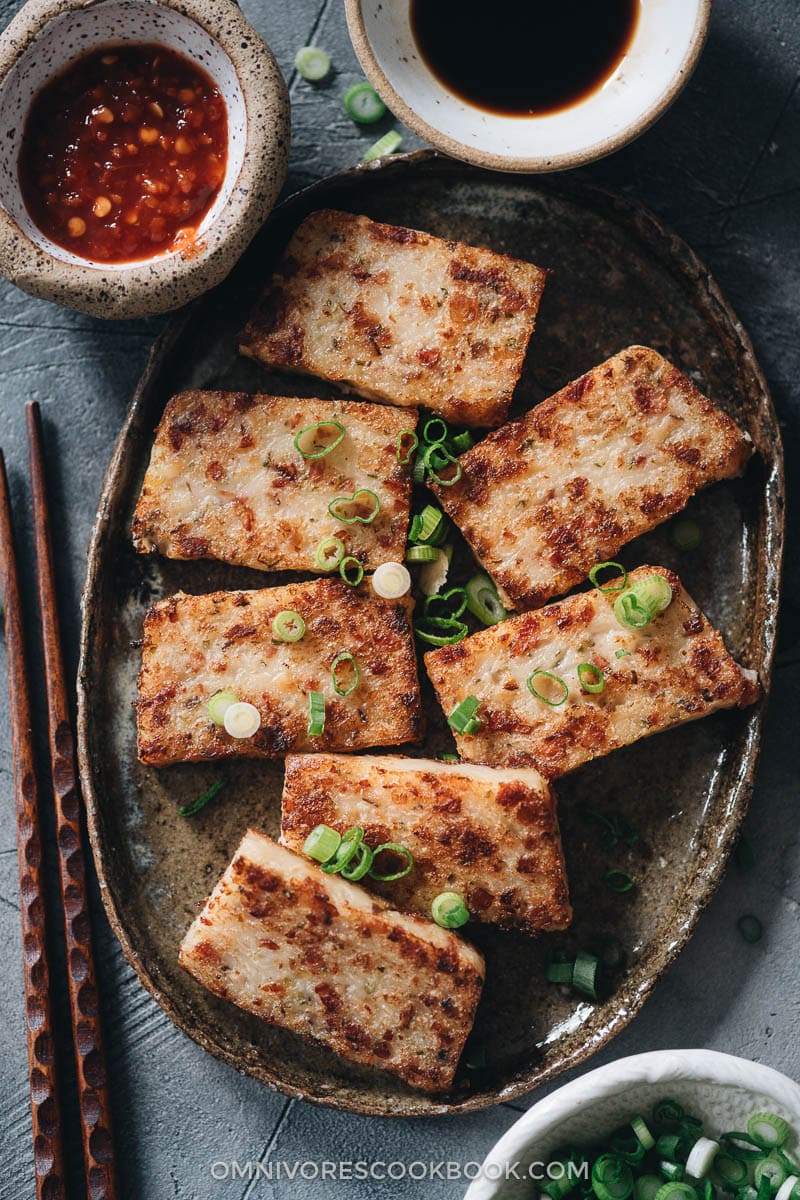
column 724, row 168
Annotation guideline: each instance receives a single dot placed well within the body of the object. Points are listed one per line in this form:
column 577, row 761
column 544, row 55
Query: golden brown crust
column 226, row 481
column 400, row 316
column 491, row 836
column 317, row 955
column 602, row 461
column 197, row 645
column 675, row 670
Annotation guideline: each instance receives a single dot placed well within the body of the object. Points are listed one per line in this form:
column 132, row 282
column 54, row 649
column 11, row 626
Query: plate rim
column 525, row 1080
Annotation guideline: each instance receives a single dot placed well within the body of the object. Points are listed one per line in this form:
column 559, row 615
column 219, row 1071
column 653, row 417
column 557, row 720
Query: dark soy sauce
column 523, row 57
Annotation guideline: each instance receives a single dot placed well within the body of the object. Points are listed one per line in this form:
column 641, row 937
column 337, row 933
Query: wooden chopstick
column 90, row 1062
column 45, row 1109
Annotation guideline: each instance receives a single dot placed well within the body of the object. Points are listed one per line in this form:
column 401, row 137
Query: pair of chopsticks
column 93, row 1097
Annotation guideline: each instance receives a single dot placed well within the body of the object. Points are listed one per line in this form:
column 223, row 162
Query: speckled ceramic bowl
column 721, row 1089
column 42, row 39
column 663, row 52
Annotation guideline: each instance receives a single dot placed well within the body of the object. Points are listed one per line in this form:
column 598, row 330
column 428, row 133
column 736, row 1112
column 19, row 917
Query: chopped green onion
column 340, row 688
column 789, row 1189
column 464, row 717
column 618, row 587
column 388, row 144
column 440, row 631
column 670, row 1146
column 559, row 972
column 391, row 580
column 449, row 910
column 750, row 928
column 768, row 1130
column 316, row 714
column 675, row 1190
column 356, row 870
column 585, row 975
column 622, row 654
column 628, row 1147
column 435, row 431
column 483, row 601
column 219, row 704
column 701, row 1157
column 438, row 459
column 449, row 758
column 612, row 1178
column 422, row 554
column 619, row 881
column 647, row 1187
column 640, row 604
column 462, row 442
column 555, row 679
column 322, row 843
column 345, row 852
column 740, row 1145
column 418, row 470
column 407, row 442
column 432, row 527
column 312, row 64
column 242, row 720
column 591, row 678
column 642, row 1132
column 362, row 508
column 189, row 810
column 316, row 441
column 351, row 570
column 771, row 1169
column 671, row 1171
column 731, row 1172
column 363, row 104
column 288, row 626
column 668, row 1112
column 450, row 603
column 686, row 534
column 330, row 553
column 392, row 848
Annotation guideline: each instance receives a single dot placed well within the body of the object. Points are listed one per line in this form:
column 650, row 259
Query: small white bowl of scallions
column 668, row 1125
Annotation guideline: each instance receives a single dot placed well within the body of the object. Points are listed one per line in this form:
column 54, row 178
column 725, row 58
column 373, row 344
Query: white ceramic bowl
column 666, row 45
column 42, row 39
column 720, row 1088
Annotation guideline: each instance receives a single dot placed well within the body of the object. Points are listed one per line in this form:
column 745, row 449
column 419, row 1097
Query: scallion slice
column 419, row 554
column 316, row 441
column 701, row 1157
column 591, row 678
column 242, row 720
column 388, row 144
column 647, row 1187
column 449, row 910
column 636, row 607
column 559, row 972
column 330, row 553
column 619, row 881
column 585, row 977
column 219, row 704
column 676, row 1190
column 435, row 431
column 407, row 442
column 360, row 866
column 351, row 570
column 483, row 601
column 731, row 1172
column 449, row 604
column 322, row 843
column 768, row 1130
column 189, row 810
column 440, row 631
column 363, row 104
column 642, row 1133
column 770, row 1168
column 789, row 1189
column 672, row 1171
column 312, row 64
column 391, row 580
column 741, row 1145
column 612, row 1179
column 432, row 527
column 617, row 587
column 316, row 714
column 667, row 1112
column 341, row 687
column 392, row 848
column 438, row 459
column 361, row 508
column 462, row 442
column 557, row 697
column 346, row 850
column 464, row 718
column 418, row 470
column 288, row 626
column 685, row 534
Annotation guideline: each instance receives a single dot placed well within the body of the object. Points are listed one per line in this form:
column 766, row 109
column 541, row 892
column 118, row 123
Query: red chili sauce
column 124, row 153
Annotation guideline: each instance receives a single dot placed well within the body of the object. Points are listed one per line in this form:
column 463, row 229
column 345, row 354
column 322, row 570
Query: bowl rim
column 534, row 163
column 652, row 1067
column 130, row 289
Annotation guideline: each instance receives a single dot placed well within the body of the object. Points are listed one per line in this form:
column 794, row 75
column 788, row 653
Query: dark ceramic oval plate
column 618, row 278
